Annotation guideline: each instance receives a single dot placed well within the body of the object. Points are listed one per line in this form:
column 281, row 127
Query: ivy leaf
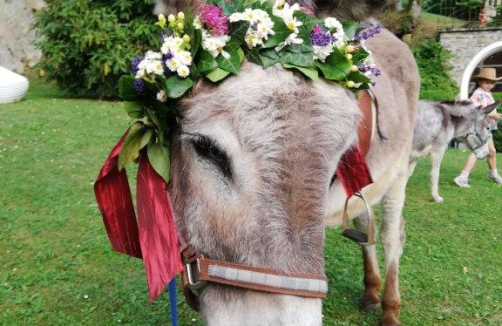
column 306, row 46
column 238, row 30
column 197, row 41
column 217, row 74
column 304, row 59
column 132, row 145
column 268, row 58
column 254, row 56
column 309, row 72
column 232, row 64
column 134, row 109
column 336, row 67
column 235, row 6
column 127, row 92
column 177, row 86
column 350, row 28
column 206, row 62
column 158, row 155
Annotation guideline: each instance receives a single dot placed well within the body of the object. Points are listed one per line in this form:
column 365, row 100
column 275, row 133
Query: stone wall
column 464, row 44
column 17, row 36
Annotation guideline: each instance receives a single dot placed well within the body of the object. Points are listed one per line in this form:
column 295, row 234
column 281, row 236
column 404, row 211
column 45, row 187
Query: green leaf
column 147, row 136
column 132, row 145
column 241, row 54
column 127, row 92
column 233, row 7
column 217, row 74
column 358, row 77
column 232, row 64
column 238, row 30
column 336, row 67
column 281, row 33
column 359, row 56
column 158, row 155
column 309, row 72
column 134, row 110
column 196, row 41
column 177, row 86
column 253, row 56
column 304, row 59
column 350, row 28
column 206, row 62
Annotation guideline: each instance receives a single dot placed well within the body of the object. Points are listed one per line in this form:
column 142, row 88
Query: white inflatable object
column 12, row 86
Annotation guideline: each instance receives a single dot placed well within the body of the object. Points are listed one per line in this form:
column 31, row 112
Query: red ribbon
column 353, row 171
column 156, row 234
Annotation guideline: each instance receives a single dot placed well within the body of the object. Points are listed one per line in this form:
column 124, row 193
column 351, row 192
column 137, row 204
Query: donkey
column 252, row 171
column 437, row 123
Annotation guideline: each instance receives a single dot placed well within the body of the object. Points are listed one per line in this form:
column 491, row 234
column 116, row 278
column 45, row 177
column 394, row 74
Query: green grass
column 57, row 268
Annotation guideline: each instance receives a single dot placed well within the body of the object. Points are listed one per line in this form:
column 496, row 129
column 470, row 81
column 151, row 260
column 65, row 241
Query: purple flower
column 368, row 32
column 168, row 56
column 371, row 69
column 214, row 19
column 139, row 86
column 134, row 64
column 318, row 37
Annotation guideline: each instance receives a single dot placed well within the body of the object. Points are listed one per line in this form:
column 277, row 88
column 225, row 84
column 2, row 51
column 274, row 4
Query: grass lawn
column 57, row 268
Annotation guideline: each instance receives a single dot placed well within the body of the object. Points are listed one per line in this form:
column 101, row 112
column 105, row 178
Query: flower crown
column 214, row 42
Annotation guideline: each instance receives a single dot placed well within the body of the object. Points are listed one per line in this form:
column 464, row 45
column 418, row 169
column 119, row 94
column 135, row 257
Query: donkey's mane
column 460, row 102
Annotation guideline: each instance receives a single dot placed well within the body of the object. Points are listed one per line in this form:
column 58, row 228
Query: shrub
column 432, row 59
column 88, row 44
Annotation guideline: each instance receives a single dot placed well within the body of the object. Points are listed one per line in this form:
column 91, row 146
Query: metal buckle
column 192, row 271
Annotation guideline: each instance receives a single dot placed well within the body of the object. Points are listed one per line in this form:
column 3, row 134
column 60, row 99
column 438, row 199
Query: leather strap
column 199, row 270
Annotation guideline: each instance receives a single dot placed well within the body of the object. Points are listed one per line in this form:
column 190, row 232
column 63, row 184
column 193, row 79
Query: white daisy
column 162, row 96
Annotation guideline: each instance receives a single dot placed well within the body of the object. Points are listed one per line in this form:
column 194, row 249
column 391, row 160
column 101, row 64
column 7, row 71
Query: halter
column 198, row 271
column 481, row 141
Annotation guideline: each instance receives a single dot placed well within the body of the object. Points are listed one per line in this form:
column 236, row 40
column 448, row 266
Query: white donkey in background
column 437, row 123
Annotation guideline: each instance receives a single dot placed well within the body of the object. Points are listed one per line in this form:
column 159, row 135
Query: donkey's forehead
column 266, row 100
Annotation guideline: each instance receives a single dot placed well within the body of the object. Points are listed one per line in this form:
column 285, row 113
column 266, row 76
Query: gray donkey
column 252, row 169
column 437, row 123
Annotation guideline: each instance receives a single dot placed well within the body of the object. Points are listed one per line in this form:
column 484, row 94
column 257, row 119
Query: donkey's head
column 470, row 124
column 252, row 165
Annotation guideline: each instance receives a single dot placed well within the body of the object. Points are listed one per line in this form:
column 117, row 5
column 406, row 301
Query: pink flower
column 214, row 19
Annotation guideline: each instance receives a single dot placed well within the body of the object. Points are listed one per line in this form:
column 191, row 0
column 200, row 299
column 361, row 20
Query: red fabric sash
column 353, row 171
column 156, row 235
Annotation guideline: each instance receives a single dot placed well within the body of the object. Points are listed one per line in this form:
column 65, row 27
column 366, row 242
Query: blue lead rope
column 172, row 299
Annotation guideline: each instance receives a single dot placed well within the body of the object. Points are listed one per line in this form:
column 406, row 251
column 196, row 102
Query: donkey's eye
column 333, row 179
column 208, row 150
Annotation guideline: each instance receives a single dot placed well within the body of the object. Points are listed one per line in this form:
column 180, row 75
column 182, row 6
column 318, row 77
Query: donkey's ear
column 173, row 6
column 489, row 108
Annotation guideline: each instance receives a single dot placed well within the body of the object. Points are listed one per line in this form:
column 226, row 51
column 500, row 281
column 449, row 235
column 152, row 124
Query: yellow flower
column 171, row 18
column 162, row 21
column 349, row 49
column 186, row 38
column 348, row 56
column 354, row 68
column 350, row 84
column 181, row 15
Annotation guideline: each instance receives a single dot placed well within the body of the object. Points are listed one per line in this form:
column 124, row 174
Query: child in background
column 482, row 96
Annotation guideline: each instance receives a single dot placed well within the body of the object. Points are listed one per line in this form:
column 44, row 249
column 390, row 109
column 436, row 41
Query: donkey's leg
column 436, row 158
column 370, row 298
column 392, row 237
column 411, row 167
